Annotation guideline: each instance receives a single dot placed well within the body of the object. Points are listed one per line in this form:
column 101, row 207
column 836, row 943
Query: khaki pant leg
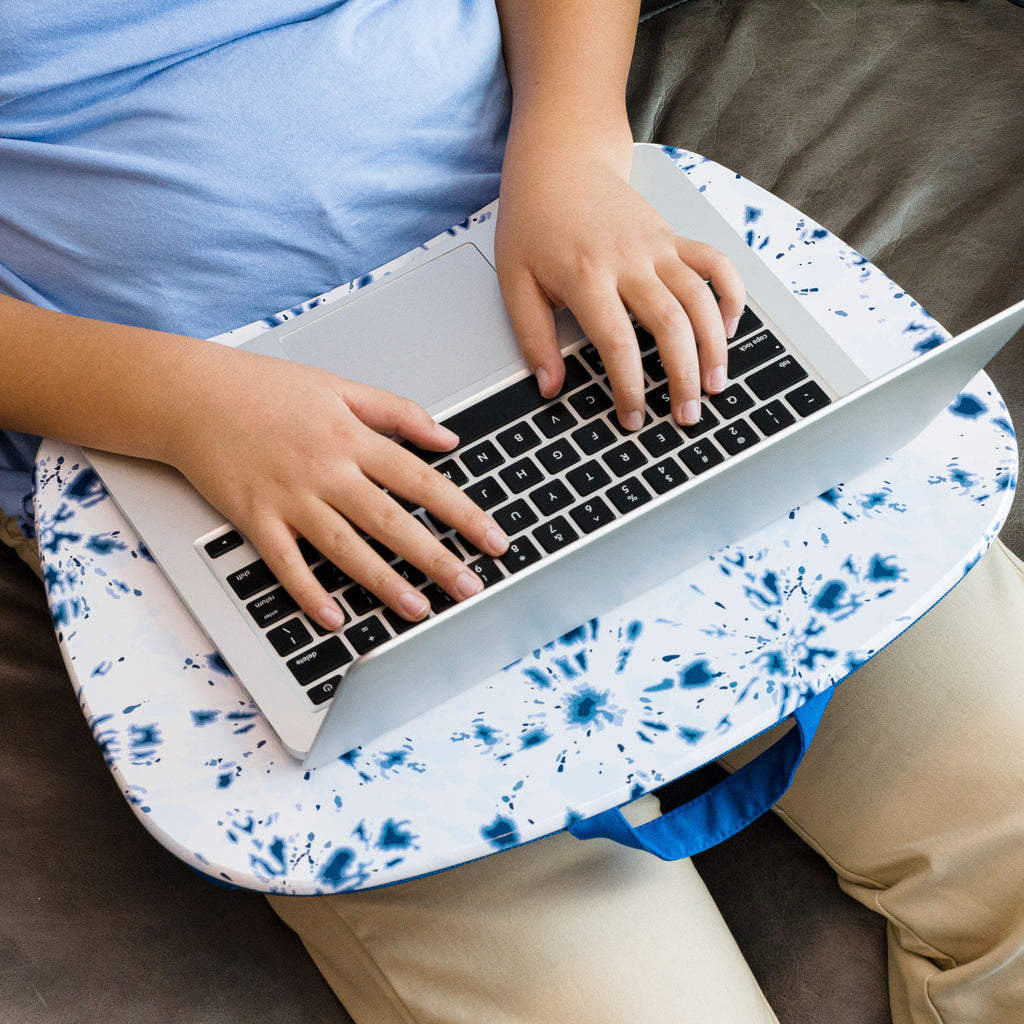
column 558, row 931
column 914, row 791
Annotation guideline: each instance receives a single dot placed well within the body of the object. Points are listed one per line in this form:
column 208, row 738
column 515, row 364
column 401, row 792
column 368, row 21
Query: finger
column 705, row 321
column 603, row 317
column 388, row 413
column 716, row 267
column 660, row 312
column 534, row 325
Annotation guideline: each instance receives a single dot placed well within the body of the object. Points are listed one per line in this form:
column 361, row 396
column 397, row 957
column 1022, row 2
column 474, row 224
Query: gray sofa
column 899, row 124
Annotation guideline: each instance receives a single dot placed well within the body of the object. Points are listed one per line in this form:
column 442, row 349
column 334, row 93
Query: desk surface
column 669, row 682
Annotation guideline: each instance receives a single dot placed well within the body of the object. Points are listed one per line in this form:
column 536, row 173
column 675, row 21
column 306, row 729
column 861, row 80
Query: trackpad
column 436, row 334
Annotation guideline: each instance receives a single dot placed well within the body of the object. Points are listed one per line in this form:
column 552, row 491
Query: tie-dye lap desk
column 602, row 715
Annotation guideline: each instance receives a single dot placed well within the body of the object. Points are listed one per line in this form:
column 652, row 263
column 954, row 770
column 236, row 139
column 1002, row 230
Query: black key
column 701, row 456
column 497, row 411
column 624, row 459
column 707, row 420
column 653, row 367
column 590, row 401
column 555, row 535
column 749, row 322
column 592, row 514
column 737, row 437
column 645, row 340
column 515, row 517
column 380, row 548
column 361, row 600
column 589, row 477
column 323, row 630
column 614, row 418
column 323, row 692
column 521, row 553
column 439, row 599
column 453, row 471
column 223, row 544
column 289, row 637
column 732, row 401
column 558, row 456
column 772, row 418
column 271, row 607
column 628, row 495
column 310, row 555
column 593, row 358
column 808, row 398
column 320, row 660
column 409, row 573
column 554, row 420
column 397, row 623
column 593, row 437
column 518, row 439
column 482, row 459
column 449, row 543
column 775, row 378
column 664, row 476
column 658, row 401
column 330, row 577
column 552, row 497
column 745, row 355
column 488, row 570
column 252, row 579
column 486, row 493
column 576, row 375
column 521, row 475
column 366, row 635
column 660, row 439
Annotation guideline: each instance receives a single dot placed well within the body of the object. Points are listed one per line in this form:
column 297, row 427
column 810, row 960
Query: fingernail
column 330, row 616
column 413, row 604
column 634, row 420
column 445, row 435
column 468, row 583
column 731, row 326
column 496, row 541
column 691, row 411
column 718, row 379
column 543, row 380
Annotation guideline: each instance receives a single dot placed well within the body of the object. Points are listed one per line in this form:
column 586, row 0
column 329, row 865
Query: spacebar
column 497, row 410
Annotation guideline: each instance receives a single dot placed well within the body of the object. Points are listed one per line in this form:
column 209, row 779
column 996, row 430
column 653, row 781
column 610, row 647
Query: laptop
column 596, row 516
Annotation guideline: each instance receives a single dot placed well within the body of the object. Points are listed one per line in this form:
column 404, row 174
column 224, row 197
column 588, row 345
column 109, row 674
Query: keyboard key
column 518, row 439
column 330, row 577
column 732, row 401
column 701, row 456
column 772, row 418
column 554, row 535
column 653, row 367
column 323, row 692
column 664, row 475
column 361, row 600
column 707, row 420
column 366, row 635
column 624, row 459
column 482, row 459
column 271, row 607
column 438, row 598
column 494, row 412
column 223, row 544
column 593, row 437
column 745, row 355
column 590, row 401
column 453, row 471
column 645, row 340
column 749, row 322
column 593, row 359
column 658, row 401
column 614, row 419
column 592, row 514
column 310, row 555
column 520, row 554
column 486, row 493
column 290, row 637
column 576, row 375
column 251, row 580
column 396, row 622
column 660, row 439
column 737, row 437
column 589, row 477
column 521, row 475
column 775, row 378
column 409, row 573
column 488, row 570
column 515, row 517
column 554, row 420
column 628, row 495
column 323, row 630
column 552, row 497
column 808, row 398
column 319, row 660
column 558, row 456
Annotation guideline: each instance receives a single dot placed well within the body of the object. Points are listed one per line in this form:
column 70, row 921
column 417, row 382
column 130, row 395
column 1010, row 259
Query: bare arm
column 572, row 232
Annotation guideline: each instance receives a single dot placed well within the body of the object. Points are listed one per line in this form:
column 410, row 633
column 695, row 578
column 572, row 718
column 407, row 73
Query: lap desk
column 602, row 715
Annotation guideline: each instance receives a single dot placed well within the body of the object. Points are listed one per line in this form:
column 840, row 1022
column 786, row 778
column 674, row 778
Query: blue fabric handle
column 724, row 809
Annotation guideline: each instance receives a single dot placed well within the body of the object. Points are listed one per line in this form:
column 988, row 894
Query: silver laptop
column 596, row 516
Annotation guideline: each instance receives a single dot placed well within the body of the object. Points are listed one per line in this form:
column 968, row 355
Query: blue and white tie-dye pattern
column 608, row 712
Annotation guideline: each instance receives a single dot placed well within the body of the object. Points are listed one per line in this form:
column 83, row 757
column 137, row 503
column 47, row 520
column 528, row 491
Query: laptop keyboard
column 550, row 471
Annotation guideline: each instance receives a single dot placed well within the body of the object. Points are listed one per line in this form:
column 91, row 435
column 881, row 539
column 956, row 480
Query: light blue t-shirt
column 191, row 167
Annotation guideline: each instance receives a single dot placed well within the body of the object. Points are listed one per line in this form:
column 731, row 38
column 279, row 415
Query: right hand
column 303, row 454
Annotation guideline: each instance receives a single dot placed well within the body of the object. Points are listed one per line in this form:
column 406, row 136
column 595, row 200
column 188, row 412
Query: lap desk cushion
column 98, row 923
